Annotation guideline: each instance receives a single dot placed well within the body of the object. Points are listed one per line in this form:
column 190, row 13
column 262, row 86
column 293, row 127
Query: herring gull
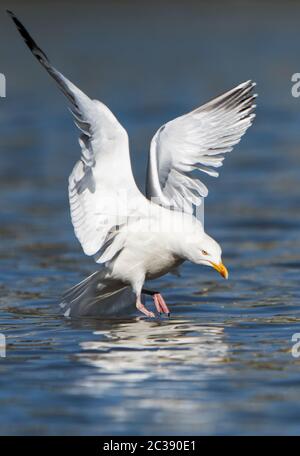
column 133, row 237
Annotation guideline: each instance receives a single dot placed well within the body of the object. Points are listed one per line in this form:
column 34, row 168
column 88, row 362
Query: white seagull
column 133, row 237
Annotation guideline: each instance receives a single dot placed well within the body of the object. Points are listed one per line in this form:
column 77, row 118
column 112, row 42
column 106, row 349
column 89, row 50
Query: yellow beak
column 221, row 269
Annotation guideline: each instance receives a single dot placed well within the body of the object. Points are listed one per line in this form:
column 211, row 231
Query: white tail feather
column 98, row 296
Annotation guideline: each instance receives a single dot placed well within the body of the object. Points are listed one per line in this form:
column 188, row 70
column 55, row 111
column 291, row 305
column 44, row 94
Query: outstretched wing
column 197, row 141
column 101, row 185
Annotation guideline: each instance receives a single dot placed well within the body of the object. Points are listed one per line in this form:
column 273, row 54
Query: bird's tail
column 97, row 296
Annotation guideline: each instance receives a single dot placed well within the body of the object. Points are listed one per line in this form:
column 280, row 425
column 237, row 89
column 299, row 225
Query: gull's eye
column 204, row 252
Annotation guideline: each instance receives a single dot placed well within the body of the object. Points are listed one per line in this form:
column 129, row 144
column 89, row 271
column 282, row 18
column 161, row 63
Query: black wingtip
column 12, row 15
column 14, row 18
column 39, row 54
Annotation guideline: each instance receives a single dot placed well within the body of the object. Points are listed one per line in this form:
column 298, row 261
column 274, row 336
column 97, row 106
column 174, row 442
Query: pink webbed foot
column 160, row 304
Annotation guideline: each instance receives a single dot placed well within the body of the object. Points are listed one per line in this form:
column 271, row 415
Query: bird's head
column 208, row 252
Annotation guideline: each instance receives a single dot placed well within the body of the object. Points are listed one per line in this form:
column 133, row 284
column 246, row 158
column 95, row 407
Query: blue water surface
column 222, row 364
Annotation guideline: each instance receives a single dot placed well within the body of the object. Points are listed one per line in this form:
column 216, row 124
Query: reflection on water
column 222, row 364
column 138, row 356
column 131, row 351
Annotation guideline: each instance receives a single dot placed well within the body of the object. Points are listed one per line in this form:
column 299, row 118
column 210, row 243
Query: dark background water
column 222, row 364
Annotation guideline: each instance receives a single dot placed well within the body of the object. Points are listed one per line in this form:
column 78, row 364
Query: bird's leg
column 140, row 306
column 137, row 289
column 159, row 301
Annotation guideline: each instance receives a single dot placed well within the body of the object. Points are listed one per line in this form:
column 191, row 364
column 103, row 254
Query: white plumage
column 197, row 140
column 131, row 237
